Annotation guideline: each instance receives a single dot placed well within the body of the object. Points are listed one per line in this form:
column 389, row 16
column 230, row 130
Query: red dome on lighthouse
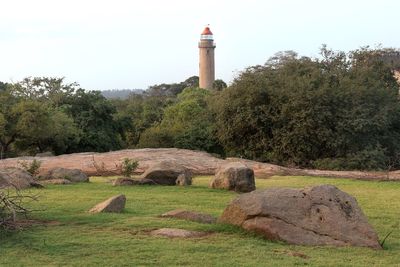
column 207, row 31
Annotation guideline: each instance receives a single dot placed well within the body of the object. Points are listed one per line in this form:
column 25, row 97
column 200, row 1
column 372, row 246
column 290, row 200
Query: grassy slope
column 82, row 239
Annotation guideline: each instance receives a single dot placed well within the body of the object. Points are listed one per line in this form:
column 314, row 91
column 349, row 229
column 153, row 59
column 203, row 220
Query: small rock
column 190, row 216
column 113, row 204
column 234, row 176
column 173, row 232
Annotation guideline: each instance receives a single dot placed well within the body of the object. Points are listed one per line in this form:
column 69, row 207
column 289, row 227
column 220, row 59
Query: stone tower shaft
column 206, row 59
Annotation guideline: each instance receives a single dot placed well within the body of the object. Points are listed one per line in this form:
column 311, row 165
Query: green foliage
column 174, row 88
column 93, row 114
column 219, row 85
column 31, row 166
column 301, row 110
column 128, row 167
column 186, row 124
column 42, row 128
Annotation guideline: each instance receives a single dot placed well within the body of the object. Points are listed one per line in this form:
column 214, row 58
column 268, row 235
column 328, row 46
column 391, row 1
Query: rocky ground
column 200, row 163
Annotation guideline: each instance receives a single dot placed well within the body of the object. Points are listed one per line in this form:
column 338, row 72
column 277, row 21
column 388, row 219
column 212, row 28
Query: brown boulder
column 113, row 204
column 166, row 173
column 234, row 176
column 173, row 232
column 73, row 175
column 129, row 181
column 321, row 215
column 190, row 216
column 15, row 177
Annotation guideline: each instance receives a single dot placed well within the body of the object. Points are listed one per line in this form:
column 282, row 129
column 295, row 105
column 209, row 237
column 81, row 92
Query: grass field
column 82, row 239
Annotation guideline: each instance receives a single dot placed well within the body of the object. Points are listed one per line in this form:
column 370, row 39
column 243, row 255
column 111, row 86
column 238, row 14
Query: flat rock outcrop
column 174, row 232
column 190, row 216
column 198, row 162
column 234, row 176
column 320, row 215
column 113, row 204
column 167, row 173
column 15, row 177
column 73, row 175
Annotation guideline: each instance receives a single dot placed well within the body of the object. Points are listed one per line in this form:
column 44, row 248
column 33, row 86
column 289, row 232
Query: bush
column 31, row 167
column 368, row 159
column 128, row 167
column 11, row 205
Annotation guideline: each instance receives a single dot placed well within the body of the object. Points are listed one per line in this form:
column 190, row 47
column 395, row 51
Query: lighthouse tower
column 206, row 65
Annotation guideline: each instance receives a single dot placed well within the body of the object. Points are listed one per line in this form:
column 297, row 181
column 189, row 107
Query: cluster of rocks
column 234, row 176
column 21, row 179
column 162, row 173
column 320, row 215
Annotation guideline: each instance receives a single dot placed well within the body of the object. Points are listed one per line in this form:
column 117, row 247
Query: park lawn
column 82, row 239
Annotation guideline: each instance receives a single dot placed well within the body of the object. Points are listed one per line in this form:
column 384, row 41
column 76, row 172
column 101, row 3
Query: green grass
column 83, row 239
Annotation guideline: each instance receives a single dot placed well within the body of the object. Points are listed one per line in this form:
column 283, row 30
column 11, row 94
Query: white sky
column 106, row 44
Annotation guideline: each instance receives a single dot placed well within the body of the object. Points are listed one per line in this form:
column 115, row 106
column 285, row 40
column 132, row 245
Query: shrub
column 31, row 167
column 128, row 166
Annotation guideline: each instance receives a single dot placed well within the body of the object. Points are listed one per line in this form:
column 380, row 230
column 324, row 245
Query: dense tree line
column 339, row 111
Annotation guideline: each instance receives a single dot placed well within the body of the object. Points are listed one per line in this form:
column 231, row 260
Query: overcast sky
column 134, row 44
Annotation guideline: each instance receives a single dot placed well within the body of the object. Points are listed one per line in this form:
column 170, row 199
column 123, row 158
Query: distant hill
column 120, row 93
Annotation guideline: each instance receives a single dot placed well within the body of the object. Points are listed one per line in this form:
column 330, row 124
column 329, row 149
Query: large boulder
column 167, row 173
column 73, row 175
column 234, row 176
column 15, row 177
column 321, row 215
column 113, row 204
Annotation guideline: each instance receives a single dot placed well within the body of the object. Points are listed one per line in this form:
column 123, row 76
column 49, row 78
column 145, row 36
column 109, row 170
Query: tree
column 42, row 128
column 186, row 124
column 51, row 90
column 172, row 89
column 219, row 85
column 93, row 115
column 303, row 111
column 8, row 131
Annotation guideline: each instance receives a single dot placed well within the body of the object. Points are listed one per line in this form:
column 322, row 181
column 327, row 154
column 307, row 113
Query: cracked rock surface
column 320, row 215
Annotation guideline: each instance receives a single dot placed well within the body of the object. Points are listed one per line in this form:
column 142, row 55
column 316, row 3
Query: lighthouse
column 206, row 60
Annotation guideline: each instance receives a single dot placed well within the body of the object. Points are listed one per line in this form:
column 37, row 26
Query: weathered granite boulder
column 73, row 175
column 166, row 173
column 173, row 232
column 234, row 176
column 15, row 177
column 321, row 215
column 113, row 204
column 129, row 181
column 190, row 216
